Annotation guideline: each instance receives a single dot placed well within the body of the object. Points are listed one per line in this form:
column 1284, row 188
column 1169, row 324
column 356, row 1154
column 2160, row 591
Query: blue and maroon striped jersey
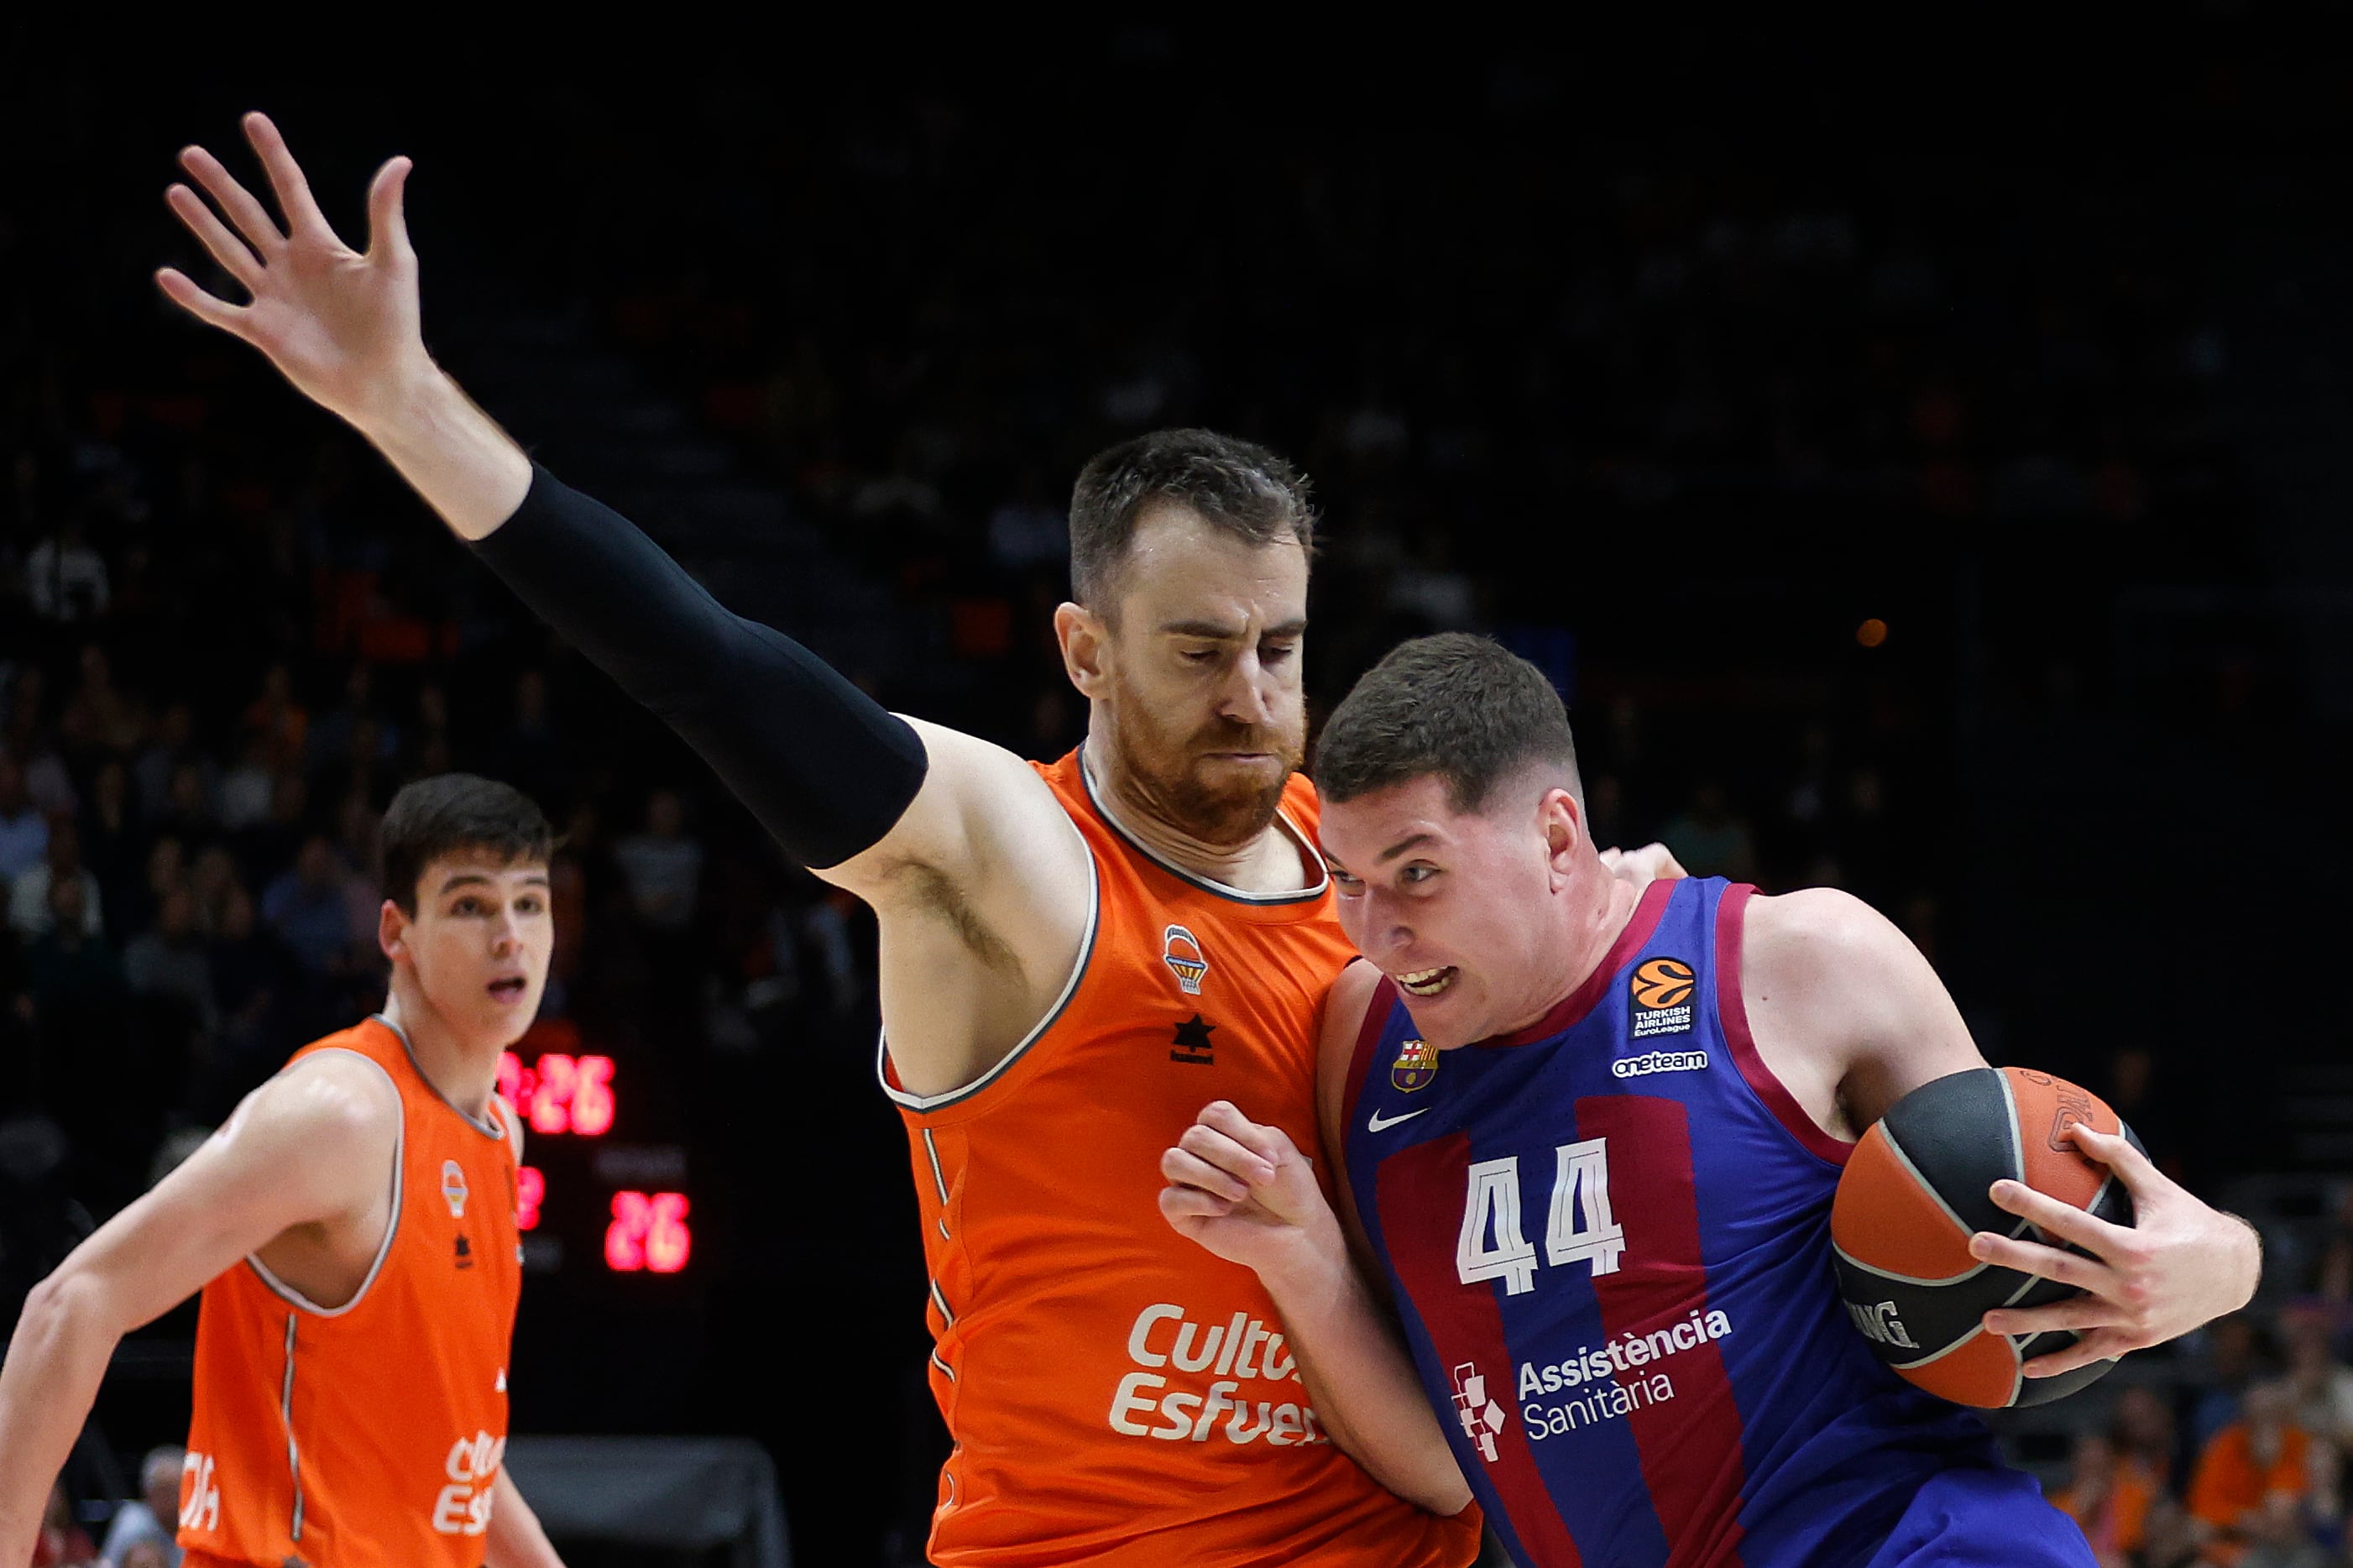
column 1608, row 1237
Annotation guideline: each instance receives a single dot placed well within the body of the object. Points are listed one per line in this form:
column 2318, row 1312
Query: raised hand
column 2181, row 1263
column 1246, row 1193
column 341, row 324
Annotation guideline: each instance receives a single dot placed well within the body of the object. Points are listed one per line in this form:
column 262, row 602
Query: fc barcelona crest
column 1416, row 1065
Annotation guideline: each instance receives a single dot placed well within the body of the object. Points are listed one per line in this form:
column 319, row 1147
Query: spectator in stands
column 278, row 722
column 69, row 969
column 2109, row 1497
column 29, row 895
column 2247, row 1497
column 306, row 907
column 2145, row 1436
column 24, row 828
column 246, row 789
column 662, row 865
column 172, row 742
column 252, row 974
column 170, row 960
column 149, row 1518
column 2322, row 1385
column 65, row 578
column 188, row 813
column 113, row 848
column 2237, row 1351
column 99, row 718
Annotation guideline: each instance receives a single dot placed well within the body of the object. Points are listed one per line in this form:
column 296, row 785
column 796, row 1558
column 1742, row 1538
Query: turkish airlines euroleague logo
column 1662, row 992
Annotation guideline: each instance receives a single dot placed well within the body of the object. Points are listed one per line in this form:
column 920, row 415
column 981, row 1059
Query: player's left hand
column 2181, row 1263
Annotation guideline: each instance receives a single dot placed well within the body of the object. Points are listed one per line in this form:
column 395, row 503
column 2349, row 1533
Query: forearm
column 825, row 769
column 452, row 452
column 515, row 1538
column 56, row 1361
column 1367, row 1393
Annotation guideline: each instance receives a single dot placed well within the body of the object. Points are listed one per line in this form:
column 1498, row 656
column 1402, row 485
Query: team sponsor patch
column 1181, row 952
column 1416, row 1065
column 1662, row 991
column 1659, row 1061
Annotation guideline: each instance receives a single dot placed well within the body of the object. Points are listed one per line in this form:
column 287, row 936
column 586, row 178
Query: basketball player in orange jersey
column 351, row 1227
column 1074, row 956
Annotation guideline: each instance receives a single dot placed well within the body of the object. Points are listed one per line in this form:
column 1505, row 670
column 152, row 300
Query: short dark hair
column 1232, row 485
column 1460, row 707
column 450, row 814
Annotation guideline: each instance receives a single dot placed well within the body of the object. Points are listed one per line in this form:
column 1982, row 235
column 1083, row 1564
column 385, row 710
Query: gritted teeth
column 1428, row 982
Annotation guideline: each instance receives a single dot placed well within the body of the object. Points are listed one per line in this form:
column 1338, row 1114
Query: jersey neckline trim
column 495, row 1129
column 931, row 1103
column 1309, row 853
column 391, row 1228
column 1571, row 1009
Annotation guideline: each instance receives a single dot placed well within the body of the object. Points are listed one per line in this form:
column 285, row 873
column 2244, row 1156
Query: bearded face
column 1195, row 682
column 1219, row 782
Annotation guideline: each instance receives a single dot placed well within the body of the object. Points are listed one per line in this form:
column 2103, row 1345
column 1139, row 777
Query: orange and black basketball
column 1916, row 1189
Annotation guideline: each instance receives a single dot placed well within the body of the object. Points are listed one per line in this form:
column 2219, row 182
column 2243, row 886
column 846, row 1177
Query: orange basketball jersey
column 1116, row 1393
column 369, row 1433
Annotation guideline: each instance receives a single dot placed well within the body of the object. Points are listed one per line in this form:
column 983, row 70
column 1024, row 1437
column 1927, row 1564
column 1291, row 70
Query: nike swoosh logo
column 1380, row 1124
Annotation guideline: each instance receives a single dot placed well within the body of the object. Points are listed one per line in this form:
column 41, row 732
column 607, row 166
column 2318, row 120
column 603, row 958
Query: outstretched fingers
column 184, row 291
column 2046, row 1262
column 294, row 198
column 252, row 218
column 231, row 252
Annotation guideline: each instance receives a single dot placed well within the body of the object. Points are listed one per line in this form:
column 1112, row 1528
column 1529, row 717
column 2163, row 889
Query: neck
column 463, row 1072
column 1592, row 917
column 1267, row 862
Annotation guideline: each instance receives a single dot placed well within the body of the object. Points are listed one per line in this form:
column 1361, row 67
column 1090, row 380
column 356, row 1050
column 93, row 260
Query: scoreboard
column 623, row 1204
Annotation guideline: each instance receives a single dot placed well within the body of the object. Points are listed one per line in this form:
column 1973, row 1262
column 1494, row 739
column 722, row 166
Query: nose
column 506, row 936
column 1248, row 694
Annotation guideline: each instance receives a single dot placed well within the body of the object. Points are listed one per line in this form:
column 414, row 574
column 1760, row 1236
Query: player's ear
column 392, row 931
column 1085, row 641
column 1563, row 823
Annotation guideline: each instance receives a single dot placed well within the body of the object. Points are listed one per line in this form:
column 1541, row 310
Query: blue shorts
column 1983, row 1519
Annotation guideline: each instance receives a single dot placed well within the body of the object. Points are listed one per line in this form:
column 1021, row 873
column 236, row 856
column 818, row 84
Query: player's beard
column 1164, row 772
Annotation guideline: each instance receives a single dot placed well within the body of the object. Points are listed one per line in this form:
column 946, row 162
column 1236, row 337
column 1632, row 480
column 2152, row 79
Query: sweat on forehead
column 1455, row 706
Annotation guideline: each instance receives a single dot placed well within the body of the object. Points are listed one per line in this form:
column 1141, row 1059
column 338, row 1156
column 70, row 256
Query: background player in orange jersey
column 1100, row 943
column 351, row 1227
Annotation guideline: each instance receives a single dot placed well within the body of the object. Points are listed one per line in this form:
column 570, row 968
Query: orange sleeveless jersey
column 368, row 1433
column 1116, row 1393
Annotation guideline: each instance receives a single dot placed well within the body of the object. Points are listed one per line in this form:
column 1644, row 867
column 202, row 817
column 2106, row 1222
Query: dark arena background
column 1924, row 464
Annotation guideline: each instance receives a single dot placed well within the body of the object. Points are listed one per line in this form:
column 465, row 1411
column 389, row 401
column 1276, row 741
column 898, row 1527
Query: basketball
column 1913, row 1193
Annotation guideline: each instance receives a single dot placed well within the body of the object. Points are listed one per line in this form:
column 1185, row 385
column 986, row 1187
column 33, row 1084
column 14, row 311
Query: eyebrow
column 1210, row 631
column 1410, row 842
column 474, row 878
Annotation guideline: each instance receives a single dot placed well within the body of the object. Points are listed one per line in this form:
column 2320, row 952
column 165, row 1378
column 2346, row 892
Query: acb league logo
column 1416, row 1065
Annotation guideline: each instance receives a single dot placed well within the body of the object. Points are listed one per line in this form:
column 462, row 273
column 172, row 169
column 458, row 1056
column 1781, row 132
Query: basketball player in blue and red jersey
column 1591, row 1134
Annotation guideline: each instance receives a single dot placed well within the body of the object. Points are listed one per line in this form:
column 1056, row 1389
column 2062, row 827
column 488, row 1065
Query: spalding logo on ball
column 1915, row 1189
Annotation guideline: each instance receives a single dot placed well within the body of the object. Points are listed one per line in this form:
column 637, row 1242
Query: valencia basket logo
column 1185, row 958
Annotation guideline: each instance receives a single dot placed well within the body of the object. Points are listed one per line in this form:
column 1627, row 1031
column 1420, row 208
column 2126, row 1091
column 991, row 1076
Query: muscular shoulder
column 1837, row 996
column 1819, row 938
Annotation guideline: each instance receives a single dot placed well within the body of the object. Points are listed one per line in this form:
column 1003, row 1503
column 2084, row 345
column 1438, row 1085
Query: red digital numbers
column 560, row 1093
column 648, row 1232
column 531, row 1191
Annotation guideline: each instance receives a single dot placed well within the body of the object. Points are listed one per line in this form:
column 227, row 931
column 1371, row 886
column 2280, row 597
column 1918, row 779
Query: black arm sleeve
column 820, row 763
